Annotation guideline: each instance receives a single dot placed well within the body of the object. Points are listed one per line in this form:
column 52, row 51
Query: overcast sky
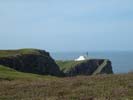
column 67, row 25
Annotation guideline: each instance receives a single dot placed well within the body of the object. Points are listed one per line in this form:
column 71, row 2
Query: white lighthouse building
column 81, row 58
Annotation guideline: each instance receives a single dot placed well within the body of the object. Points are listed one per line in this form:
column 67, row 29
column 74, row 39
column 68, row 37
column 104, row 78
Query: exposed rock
column 40, row 62
column 87, row 67
column 30, row 60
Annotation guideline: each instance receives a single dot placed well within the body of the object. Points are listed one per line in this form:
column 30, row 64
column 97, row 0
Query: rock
column 30, row 60
column 87, row 67
column 40, row 62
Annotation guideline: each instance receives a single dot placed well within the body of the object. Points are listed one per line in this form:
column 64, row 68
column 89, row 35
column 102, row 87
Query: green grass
column 67, row 65
column 16, row 85
column 7, row 73
column 4, row 53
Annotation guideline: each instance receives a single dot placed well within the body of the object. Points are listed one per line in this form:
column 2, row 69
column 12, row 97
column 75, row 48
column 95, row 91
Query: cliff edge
column 30, row 60
column 40, row 62
column 87, row 67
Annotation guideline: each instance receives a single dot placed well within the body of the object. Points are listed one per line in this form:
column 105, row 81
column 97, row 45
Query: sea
column 122, row 61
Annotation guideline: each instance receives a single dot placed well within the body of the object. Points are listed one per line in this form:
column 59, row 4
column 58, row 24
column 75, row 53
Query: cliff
column 87, row 67
column 40, row 62
column 30, row 60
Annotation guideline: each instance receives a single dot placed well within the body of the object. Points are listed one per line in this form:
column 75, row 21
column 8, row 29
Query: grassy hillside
column 67, row 65
column 4, row 53
column 86, row 67
column 26, row 86
column 7, row 73
column 30, row 60
column 16, row 85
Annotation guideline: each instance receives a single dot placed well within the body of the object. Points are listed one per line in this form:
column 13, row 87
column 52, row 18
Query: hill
column 40, row 62
column 86, row 67
column 30, row 60
column 16, row 85
column 9, row 74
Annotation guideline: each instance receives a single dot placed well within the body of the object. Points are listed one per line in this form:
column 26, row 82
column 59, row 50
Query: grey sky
column 67, row 25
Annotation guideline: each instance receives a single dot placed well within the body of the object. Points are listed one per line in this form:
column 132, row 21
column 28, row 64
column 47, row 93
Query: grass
column 4, row 53
column 24, row 86
column 7, row 73
column 67, row 65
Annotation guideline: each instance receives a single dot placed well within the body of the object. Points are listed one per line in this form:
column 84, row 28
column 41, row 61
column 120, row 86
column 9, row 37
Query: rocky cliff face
column 40, row 62
column 28, row 60
column 88, row 67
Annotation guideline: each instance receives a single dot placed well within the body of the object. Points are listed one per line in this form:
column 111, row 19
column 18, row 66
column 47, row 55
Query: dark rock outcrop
column 40, row 62
column 33, row 61
column 88, row 67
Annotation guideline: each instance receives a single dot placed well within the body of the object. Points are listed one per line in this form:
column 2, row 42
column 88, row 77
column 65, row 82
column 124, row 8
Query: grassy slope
column 11, row 74
column 17, row 86
column 67, row 65
column 4, row 53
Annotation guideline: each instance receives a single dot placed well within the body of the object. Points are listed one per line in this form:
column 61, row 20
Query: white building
column 81, row 58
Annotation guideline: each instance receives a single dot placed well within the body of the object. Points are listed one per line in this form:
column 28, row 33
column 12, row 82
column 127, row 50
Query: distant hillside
column 30, row 60
column 16, row 85
column 87, row 67
column 40, row 62
column 4, row 53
